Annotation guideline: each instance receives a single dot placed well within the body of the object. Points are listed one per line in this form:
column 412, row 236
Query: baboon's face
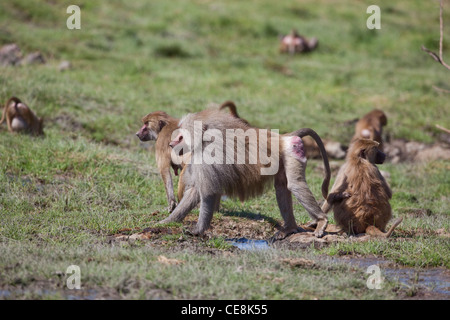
column 151, row 128
column 379, row 157
column 146, row 133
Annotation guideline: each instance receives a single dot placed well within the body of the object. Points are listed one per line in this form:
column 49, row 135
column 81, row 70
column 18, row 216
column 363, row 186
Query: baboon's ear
column 162, row 124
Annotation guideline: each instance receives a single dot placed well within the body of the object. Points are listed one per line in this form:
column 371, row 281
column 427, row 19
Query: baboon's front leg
column 207, row 208
column 168, row 185
column 190, row 200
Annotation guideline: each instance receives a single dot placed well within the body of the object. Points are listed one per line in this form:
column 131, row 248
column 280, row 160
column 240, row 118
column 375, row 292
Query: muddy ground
column 418, row 283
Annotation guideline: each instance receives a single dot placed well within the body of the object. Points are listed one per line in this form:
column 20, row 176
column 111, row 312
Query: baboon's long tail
column 230, row 105
column 310, row 132
column 16, row 101
column 391, row 229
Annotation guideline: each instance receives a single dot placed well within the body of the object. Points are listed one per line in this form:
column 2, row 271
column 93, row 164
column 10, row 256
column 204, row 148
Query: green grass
column 62, row 195
column 134, row 272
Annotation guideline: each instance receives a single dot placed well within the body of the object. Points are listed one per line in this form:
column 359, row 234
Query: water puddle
column 4, row 294
column 436, row 280
column 249, row 244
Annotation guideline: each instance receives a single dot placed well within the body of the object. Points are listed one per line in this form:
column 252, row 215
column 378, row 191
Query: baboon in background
column 333, row 148
column 20, row 118
column 159, row 126
column 371, row 127
column 360, row 195
column 295, row 43
column 205, row 183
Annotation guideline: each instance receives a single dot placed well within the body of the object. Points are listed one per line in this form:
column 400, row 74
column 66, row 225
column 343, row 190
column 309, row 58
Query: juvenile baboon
column 295, row 43
column 360, row 195
column 371, row 127
column 159, row 126
column 206, row 182
column 20, row 118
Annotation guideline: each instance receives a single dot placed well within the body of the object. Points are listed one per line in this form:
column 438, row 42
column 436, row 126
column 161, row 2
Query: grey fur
column 205, row 183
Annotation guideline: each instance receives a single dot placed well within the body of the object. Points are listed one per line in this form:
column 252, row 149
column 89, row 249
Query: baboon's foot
column 321, row 225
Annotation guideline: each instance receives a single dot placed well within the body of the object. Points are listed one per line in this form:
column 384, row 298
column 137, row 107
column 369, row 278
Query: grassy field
column 62, row 196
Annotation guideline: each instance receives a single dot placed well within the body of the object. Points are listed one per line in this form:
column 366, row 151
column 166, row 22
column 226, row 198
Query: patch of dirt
column 299, row 263
column 221, row 226
column 68, row 123
column 397, row 150
column 146, row 234
column 233, row 227
column 416, row 212
column 263, row 229
column 400, row 150
column 253, row 227
column 306, row 238
column 420, row 232
column 11, row 55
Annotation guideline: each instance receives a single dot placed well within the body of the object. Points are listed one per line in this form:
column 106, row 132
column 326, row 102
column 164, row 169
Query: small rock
column 33, row 58
column 64, row 65
column 10, row 55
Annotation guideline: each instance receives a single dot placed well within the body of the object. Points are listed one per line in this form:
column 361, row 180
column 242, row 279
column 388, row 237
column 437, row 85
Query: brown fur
column 295, row 43
column 20, row 118
column 360, row 196
column 334, row 149
column 233, row 111
column 160, row 126
column 205, row 183
column 371, row 127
